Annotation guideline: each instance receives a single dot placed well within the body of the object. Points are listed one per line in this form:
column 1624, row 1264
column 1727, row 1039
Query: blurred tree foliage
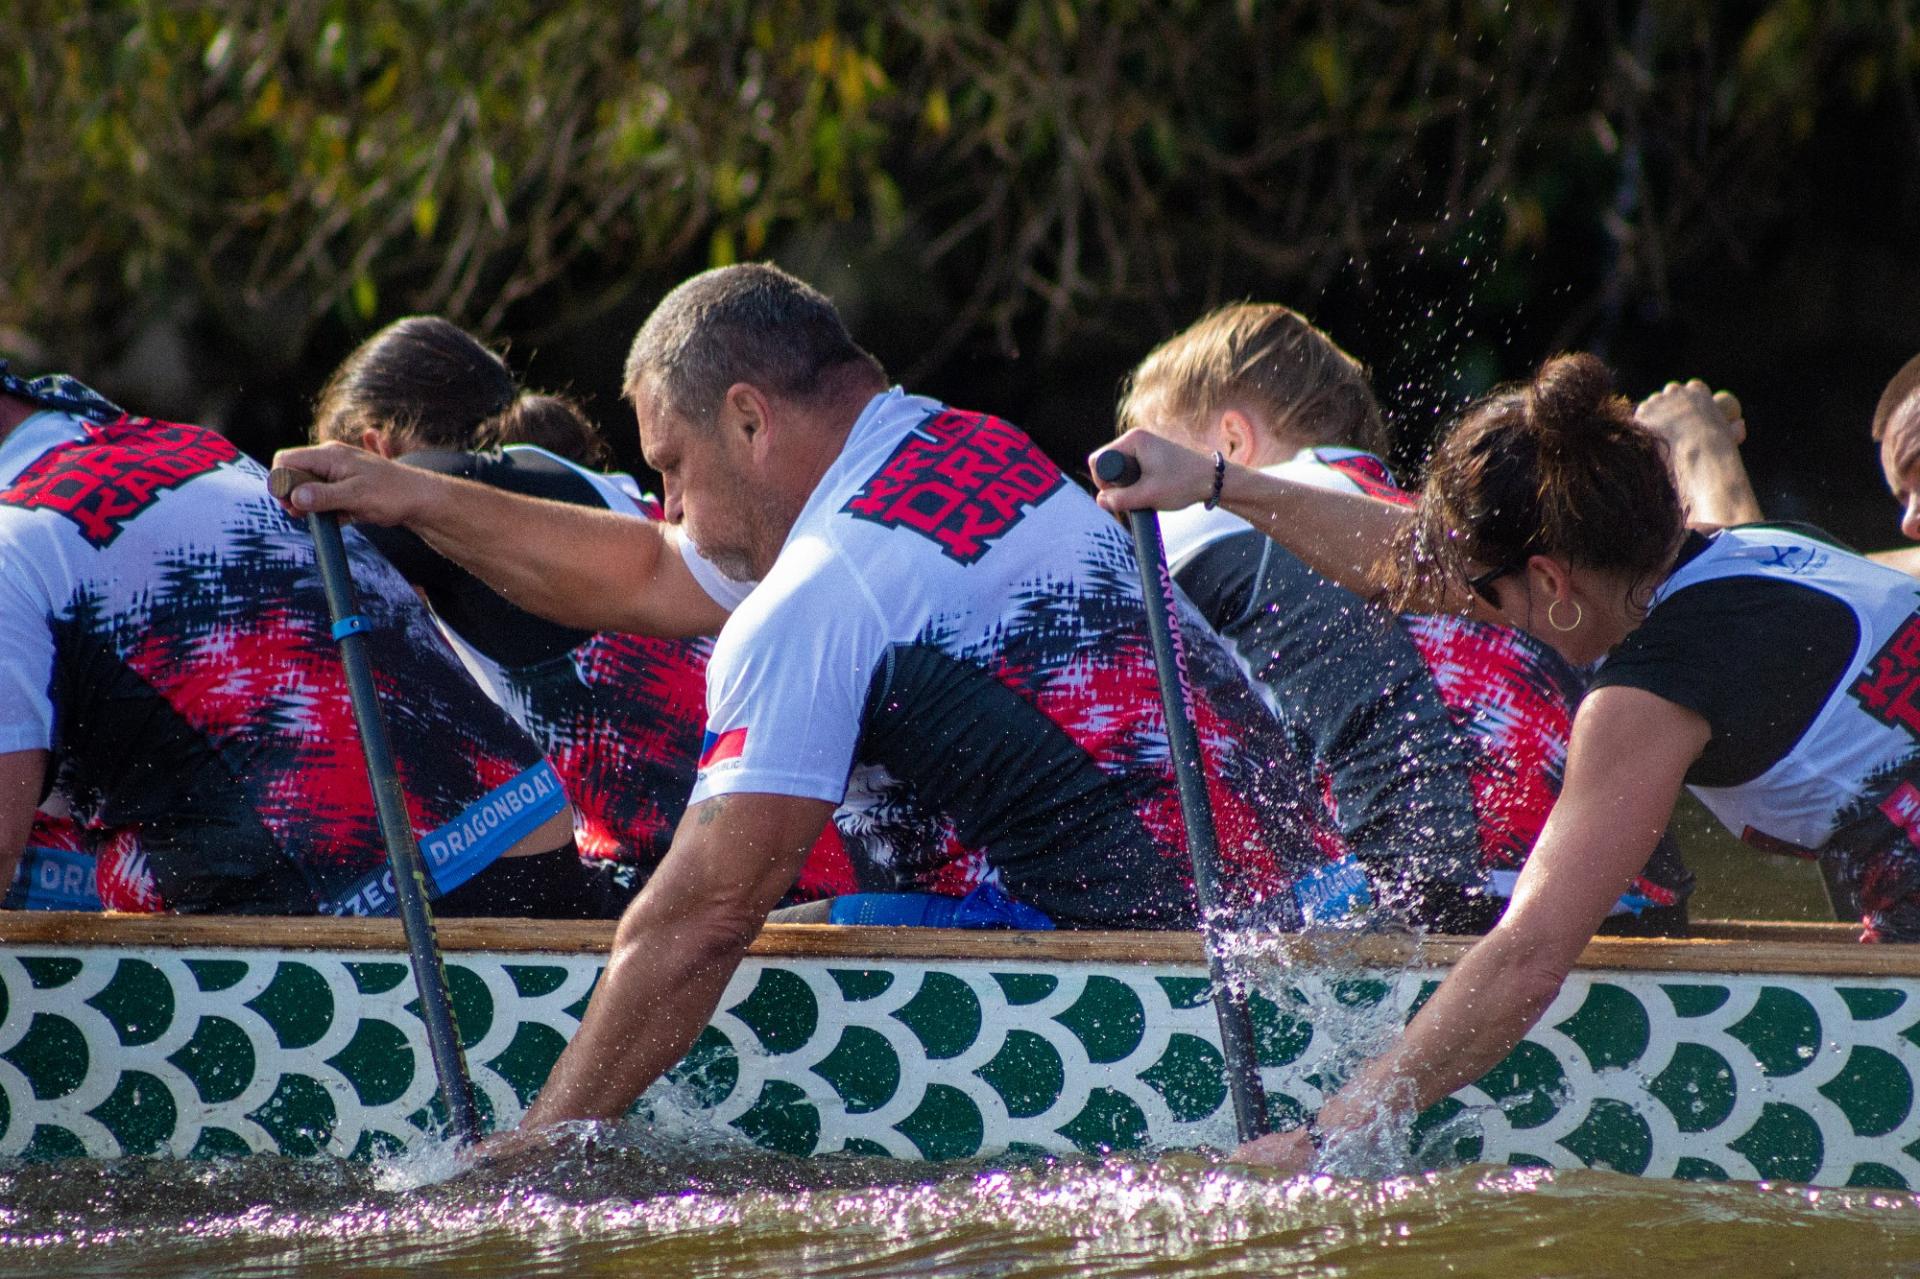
column 276, row 178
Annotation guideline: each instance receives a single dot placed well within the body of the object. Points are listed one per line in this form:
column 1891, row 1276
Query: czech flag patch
column 718, row 748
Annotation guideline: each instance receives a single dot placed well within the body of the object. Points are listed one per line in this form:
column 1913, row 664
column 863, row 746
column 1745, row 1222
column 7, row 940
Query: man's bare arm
column 676, row 949
column 22, row 773
column 1904, row 558
column 591, row 569
column 1703, row 431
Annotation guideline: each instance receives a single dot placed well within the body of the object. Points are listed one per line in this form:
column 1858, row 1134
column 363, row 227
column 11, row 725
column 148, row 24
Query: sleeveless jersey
column 1848, row 791
column 952, row 645
column 163, row 634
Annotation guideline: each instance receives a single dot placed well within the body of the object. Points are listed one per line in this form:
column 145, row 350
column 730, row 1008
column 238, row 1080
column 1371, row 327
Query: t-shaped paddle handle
column 283, row 480
column 1115, row 468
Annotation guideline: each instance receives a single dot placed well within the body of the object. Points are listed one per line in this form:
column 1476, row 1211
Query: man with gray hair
column 920, row 620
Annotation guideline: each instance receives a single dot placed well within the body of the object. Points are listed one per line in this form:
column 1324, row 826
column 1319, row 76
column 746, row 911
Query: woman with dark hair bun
column 1769, row 670
column 619, row 716
column 549, row 422
column 426, row 383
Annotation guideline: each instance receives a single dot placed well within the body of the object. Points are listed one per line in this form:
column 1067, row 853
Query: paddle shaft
column 1196, row 809
column 396, row 829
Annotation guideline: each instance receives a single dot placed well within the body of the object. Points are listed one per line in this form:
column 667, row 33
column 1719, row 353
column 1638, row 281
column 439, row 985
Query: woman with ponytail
column 619, row 716
column 1772, row 672
column 1443, row 739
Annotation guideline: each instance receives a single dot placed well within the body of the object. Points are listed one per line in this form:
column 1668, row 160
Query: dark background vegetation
column 204, row 206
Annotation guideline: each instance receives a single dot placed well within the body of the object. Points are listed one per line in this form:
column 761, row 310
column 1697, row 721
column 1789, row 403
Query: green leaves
column 344, row 161
column 367, row 157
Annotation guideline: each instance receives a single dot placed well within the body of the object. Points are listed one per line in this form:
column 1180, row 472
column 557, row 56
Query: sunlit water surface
column 644, row 1205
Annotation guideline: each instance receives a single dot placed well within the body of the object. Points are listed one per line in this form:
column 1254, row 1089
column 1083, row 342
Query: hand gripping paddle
column 1117, row 470
column 403, row 854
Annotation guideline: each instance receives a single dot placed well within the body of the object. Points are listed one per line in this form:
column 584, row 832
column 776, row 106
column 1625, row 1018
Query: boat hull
column 138, row 1037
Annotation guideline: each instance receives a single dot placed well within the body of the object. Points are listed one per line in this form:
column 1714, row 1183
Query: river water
column 642, row 1205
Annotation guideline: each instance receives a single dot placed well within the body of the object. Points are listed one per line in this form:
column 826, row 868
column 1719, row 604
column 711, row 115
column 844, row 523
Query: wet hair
column 1263, row 358
column 1554, row 466
column 426, row 383
column 1902, row 392
column 749, row 323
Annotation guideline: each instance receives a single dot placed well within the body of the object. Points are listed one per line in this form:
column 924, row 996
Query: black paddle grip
column 1115, row 468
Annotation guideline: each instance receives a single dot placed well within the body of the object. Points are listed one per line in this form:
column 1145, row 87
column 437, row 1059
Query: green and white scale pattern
column 108, row 1052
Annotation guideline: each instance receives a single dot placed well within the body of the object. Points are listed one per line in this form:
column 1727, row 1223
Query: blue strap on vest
column 352, row 624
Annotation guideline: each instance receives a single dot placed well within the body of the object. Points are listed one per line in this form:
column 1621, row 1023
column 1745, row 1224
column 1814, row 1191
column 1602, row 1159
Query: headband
column 58, row 391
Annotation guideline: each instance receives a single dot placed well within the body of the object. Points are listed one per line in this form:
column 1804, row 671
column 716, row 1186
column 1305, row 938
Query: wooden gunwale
column 1719, row 946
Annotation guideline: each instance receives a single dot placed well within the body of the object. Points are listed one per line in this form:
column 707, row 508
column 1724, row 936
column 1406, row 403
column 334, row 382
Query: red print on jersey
column 116, row 473
column 1371, row 476
column 961, row 480
column 1892, row 680
column 1520, row 716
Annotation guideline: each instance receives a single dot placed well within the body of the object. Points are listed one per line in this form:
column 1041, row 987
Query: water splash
column 1346, row 983
column 428, row 1161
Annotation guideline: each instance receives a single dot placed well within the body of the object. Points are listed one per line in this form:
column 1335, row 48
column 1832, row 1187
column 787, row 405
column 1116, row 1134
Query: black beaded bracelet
column 1315, row 1137
column 1219, row 479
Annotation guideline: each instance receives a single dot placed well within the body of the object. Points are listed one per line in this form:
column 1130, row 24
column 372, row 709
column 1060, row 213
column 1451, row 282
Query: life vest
column 1864, row 743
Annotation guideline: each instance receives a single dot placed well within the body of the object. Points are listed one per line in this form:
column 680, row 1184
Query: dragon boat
column 1750, row 1051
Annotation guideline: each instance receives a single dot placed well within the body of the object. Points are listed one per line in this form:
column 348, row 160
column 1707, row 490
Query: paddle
column 403, row 854
column 1183, row 742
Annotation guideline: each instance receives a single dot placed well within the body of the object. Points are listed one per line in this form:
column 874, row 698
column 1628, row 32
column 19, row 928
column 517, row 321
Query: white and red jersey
column 164, row 636
column 619, row 716
column 1498, row 750
column 1349, row 684
column 1844, row 784
column 1513, row 694
column 952, row 646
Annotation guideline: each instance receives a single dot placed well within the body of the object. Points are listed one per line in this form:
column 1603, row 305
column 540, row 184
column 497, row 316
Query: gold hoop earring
column 1579, row 615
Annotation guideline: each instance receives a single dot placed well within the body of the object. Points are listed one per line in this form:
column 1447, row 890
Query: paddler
column 172, row 704
column 1704, row 449
column 1770, row 671
column 1442, row 738
column 920, row 617
column 619, row 716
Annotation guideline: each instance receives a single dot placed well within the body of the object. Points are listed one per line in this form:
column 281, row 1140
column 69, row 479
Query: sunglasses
column 1481, row 584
